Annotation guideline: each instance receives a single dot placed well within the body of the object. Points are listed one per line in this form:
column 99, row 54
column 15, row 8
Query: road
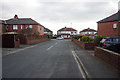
column 52, row 59
column 56, row 59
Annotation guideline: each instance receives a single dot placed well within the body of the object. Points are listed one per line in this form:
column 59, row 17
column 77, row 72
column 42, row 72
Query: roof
column 88, row 30
column 47, row 30
column 21, row 21
column 2, row 22
column 114, row 17
column 67, row 29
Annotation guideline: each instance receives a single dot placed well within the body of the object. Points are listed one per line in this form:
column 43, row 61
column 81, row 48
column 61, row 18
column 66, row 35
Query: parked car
column 60, row 38
column 109, row 41
column 115, row 48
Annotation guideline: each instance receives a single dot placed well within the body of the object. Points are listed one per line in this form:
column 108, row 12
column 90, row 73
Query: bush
column 77, row 37
column 48, row 36
column 86, row 39
column 99, row 38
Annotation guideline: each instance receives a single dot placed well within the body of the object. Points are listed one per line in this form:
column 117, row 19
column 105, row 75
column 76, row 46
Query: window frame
column 30, row 26
column 115, row 26
column 15, row 27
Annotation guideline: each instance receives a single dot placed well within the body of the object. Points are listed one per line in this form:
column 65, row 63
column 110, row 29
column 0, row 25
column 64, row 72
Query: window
column 114, row 26
column 30, row 26
column 15, row 27
column 7, row 27
column 21, row 27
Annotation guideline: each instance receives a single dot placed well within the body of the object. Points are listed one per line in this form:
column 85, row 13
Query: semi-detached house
column 110, row 26
column 66, row 33
column 18, row 24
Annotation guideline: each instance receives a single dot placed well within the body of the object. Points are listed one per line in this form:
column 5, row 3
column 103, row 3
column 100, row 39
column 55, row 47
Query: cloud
column 60, row 13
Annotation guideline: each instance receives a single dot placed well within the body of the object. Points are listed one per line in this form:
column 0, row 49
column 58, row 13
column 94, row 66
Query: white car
column 60, row 38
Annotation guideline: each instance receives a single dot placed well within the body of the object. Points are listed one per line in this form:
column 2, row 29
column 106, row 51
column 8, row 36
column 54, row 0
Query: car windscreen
column 103, row 40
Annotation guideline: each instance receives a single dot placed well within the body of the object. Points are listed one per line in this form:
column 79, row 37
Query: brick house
column 18, row 24
column 88, row 32
column 48, row 31
column 110, row 26
column 2, row 27
column 66, row 32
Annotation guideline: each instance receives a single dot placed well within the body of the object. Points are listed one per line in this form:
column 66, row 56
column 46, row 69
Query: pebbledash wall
column 107, row 29
column 108, row 56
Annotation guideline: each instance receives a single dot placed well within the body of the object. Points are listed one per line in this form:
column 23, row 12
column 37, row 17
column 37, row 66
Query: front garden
column 86, row 42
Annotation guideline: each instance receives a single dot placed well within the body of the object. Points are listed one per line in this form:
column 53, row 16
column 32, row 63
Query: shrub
column 86, row 39
column 99, row 38
column 77, row 37
column 48, row 36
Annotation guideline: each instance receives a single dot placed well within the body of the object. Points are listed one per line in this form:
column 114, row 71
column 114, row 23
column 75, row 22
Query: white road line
column 81, row 67
column 78, row 65
column 52, row 46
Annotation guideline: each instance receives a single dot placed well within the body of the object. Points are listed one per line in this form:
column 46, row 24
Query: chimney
column 16, row 16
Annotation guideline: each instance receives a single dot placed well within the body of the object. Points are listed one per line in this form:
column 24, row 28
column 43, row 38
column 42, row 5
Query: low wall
column 108, row 56
column 17, row 43
column 85, row 45
column 32, row 39
column 36, row 41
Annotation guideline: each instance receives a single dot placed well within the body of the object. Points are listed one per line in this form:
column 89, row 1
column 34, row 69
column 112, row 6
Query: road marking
column 83, row 75
column 52, row 46
column 81, row 67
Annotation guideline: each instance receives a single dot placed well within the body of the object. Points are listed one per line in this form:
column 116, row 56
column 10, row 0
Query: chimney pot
column 16, row 16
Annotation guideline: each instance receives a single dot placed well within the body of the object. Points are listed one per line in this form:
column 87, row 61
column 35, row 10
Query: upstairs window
column 7, row 27
column 15, row 27
column 21, row 27
column 30, row 26
column 114, row 26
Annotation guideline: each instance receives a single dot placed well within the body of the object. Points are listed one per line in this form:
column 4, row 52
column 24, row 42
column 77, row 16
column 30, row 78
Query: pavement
column 54, row 59
column 94, row 66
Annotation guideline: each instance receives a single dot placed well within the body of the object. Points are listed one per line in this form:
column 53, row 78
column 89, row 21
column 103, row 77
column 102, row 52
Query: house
column 88, row 32
column 18, row 24
column 48, row 31
column 2, row 27
column 110, row 26
column 66, row 32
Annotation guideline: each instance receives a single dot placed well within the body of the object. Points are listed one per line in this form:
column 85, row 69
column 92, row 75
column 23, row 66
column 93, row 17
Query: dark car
column 115, row 48
column 109, row 41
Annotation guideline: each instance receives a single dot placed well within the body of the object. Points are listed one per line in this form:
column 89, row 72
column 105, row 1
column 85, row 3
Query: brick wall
column 106, row 29
column 32, row 39
column 85, row 45
column 36, row 41
column 35, row 28
column 108, row 56
column 2, row 29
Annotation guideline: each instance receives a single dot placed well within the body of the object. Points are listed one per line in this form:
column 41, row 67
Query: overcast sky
column 55, row 14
